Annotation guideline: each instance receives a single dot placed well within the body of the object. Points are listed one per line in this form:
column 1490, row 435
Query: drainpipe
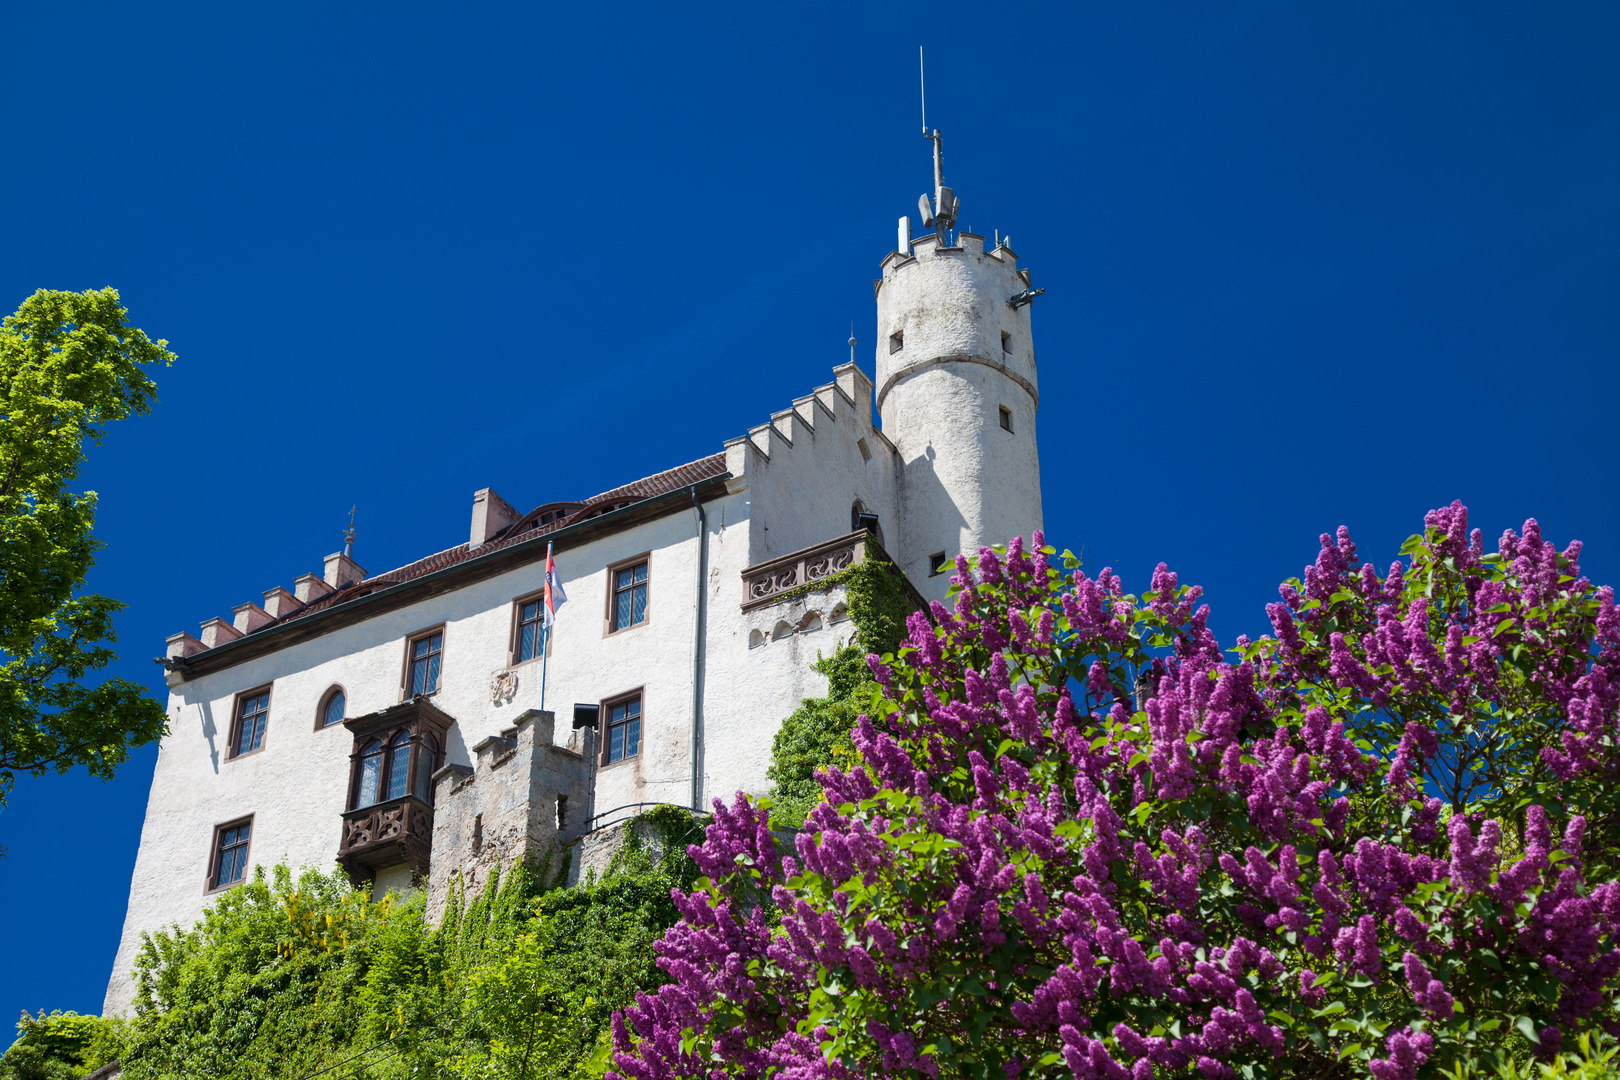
column 697, row 651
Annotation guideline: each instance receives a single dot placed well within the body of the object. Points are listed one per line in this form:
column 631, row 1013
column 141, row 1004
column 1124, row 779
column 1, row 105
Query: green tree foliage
column 61, row 1046
column 817, row 733
column 69, row 366
column 284, row 977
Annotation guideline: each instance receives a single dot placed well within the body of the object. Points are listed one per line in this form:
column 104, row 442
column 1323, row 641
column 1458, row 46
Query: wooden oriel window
column 424, row 653
column 622, row 738
column 394, row 764
column 229, row 860
column 627, row 598
column 252, row 714
column 530, row 632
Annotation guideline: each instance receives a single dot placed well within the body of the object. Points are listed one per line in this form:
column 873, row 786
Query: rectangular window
column 936, row 564
column 623, row 737
column 1006, row 342
column 529, row 635
column 1006, row 418
column 897, row 341
column 230, row 855
column 252, row 713
column 425, row 653
column 627, row 604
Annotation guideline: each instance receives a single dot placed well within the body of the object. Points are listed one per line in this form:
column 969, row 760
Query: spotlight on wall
column 586, row 716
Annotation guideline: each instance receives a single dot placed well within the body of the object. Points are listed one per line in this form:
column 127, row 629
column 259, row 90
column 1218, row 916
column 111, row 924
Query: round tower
column 956, row 390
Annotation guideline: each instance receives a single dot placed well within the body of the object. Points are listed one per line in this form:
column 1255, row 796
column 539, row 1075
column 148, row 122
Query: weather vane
column 349, row 534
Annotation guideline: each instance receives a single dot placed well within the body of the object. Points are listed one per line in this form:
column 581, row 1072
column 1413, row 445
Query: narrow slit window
column 251, row 714
column 1006, row 342
column 936, row 564
column 562, row 812
column 1006, row 418
column 230, row 854
column 624, row 730
column 897, row 341
column 426, row 653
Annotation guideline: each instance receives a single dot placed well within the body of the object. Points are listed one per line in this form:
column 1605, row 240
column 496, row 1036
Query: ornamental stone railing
column 766, row 581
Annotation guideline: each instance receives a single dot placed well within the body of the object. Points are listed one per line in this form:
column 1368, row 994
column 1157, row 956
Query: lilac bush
column 1083, row 839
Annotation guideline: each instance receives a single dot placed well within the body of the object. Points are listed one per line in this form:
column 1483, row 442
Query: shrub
column 1082, row 839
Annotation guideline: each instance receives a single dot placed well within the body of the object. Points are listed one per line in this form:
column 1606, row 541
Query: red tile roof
column 525, row 528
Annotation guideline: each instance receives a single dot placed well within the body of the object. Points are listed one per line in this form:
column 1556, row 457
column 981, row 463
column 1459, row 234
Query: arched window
column 399, row 765
column 426, row 760
column 333, row 708
column 371, row 767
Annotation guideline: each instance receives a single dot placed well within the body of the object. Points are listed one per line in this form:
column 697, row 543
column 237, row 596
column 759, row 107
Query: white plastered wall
column 964, row 354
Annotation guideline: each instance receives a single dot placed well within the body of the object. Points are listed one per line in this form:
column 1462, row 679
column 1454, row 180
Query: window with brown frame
column 247, row 727
column 627, row 595
column 384, row 769
column 622, row 739
column 334, row 707
column 228, row 857
column 529, row 638
column 424, row 653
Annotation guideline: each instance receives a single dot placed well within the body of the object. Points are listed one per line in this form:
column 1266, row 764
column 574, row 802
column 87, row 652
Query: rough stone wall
column 503, row 810
column 964, row 354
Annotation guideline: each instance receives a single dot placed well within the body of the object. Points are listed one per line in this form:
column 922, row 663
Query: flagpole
column 545, row 659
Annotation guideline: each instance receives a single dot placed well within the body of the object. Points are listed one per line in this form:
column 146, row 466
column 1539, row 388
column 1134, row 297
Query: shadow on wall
column 920, row 486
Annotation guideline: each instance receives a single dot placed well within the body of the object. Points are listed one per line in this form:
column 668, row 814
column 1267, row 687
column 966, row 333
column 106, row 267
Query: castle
column 395, row 722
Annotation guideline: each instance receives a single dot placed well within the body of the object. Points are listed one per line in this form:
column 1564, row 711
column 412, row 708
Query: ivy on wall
column 817, row 733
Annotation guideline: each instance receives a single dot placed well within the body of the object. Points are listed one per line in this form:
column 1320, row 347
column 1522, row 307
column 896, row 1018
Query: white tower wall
column 964, row 355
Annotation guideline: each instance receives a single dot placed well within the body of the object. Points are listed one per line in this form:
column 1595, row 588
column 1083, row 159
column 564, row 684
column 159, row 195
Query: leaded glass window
column 251, row 713
column 530, row 635
column 399, row 765
column 230, row 857
column 333, row 713
column 629, row 596
column 425, row 655
column 624, row 729
column 371, row 768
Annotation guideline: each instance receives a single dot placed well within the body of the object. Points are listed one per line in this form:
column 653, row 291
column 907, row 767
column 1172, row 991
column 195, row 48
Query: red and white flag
column 555, row 597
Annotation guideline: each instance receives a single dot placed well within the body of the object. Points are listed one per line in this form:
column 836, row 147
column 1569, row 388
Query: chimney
column 310, row 588
column 342, row 570
column 249, row 617
column 218, row 632
column 490, row 515
column 182, row 646
column 279, row 603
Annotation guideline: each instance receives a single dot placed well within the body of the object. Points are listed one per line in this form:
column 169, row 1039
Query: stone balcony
column 768, row 582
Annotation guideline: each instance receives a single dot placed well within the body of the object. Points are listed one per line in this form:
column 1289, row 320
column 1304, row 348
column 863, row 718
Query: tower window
column 1006, row 342
column 897, row 341
column 1006, row 418
column 936, row 564
column 866, row 451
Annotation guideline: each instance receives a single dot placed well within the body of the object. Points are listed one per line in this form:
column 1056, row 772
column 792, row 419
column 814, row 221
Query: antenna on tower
column 349, row 534
column 946, row 206
column 922, row 87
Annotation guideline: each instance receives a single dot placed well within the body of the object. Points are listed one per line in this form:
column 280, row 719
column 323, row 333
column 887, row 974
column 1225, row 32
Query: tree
column 69, row 366
column 1079, row 840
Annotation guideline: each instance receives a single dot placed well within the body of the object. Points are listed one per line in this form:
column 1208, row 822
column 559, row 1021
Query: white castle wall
column 966, row 482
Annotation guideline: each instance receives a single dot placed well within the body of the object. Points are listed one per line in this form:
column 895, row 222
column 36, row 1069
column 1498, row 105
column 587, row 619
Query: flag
column 555, row 597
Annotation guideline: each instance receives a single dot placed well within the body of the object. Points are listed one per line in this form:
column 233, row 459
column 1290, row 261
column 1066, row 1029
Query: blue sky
column 1306, row 265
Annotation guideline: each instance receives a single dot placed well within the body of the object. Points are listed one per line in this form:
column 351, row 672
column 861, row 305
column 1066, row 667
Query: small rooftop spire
column 348, row 535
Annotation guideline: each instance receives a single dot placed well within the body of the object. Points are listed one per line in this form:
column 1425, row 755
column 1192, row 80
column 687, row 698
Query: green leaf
column 1528, row 1029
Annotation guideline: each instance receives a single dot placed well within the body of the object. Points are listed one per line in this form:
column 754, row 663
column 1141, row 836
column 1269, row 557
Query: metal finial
column 348, row 535
column 852, row 343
